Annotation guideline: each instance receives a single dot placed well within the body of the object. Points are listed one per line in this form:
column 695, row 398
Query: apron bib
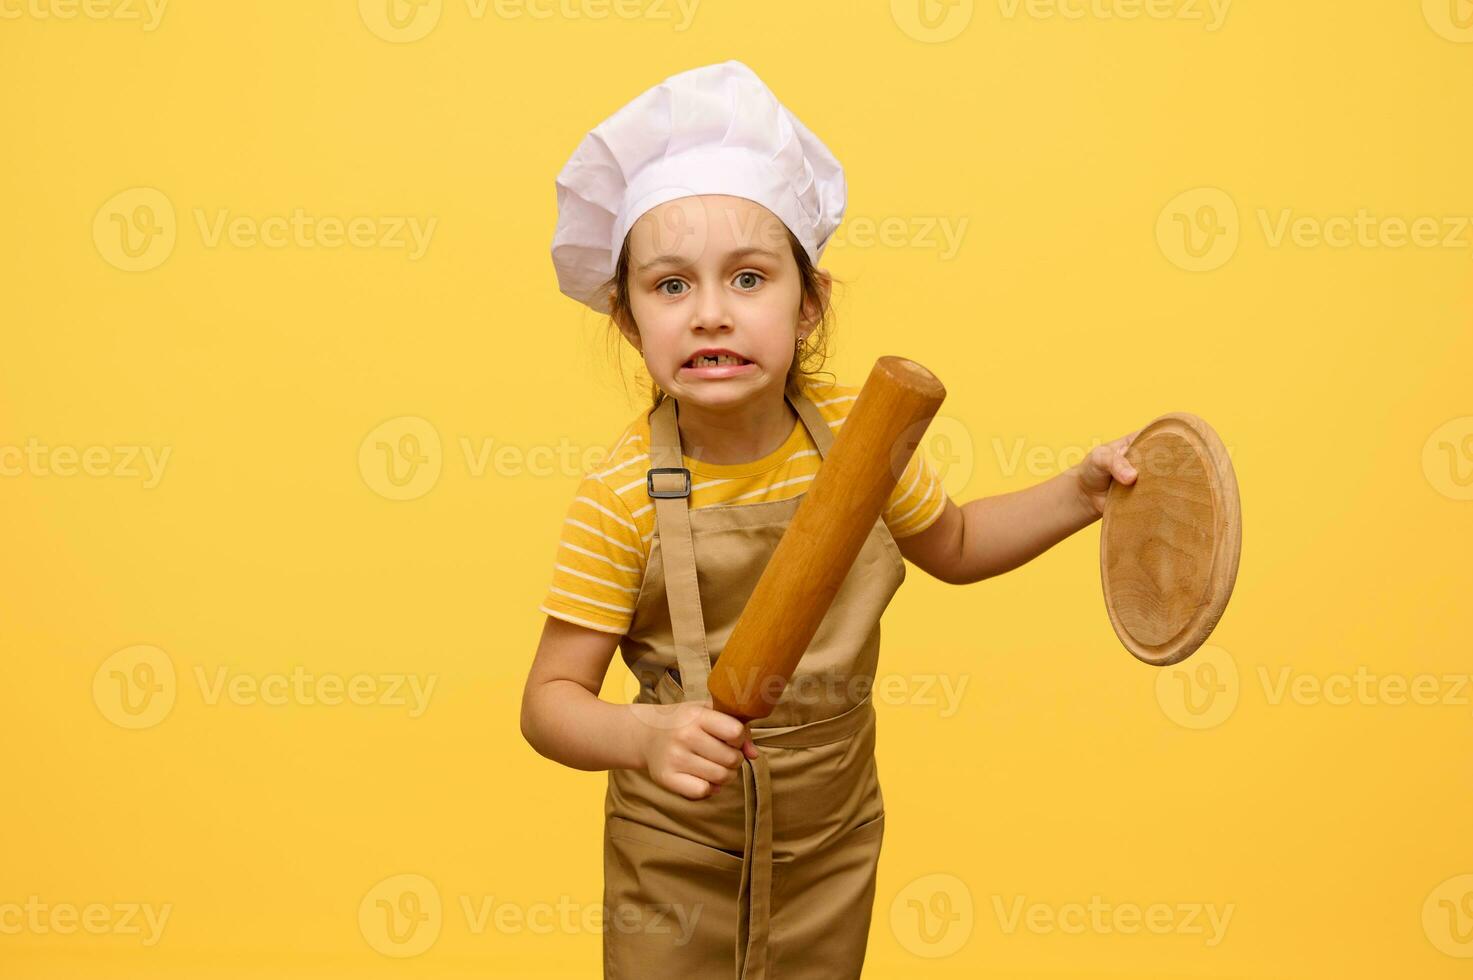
column 774, row 875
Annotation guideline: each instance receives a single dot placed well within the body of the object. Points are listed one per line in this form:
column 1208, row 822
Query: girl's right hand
column 690, row 748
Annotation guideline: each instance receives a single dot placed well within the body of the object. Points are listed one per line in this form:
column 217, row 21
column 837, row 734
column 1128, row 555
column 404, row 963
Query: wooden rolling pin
column 827, row 531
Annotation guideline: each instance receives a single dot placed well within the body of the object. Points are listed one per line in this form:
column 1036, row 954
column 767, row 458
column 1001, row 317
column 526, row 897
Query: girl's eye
column 747, row 280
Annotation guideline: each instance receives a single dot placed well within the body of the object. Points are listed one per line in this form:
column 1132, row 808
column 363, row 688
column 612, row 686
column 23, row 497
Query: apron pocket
column 824, row 903
column 670, row 904
column 645, row 837
column 868, row 830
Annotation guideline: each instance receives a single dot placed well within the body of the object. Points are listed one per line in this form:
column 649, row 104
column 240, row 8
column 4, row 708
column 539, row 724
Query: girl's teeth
column 709, row 360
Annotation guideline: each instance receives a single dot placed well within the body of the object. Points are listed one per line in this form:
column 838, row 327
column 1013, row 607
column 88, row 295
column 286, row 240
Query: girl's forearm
column 1001, row 532
column 567, row 723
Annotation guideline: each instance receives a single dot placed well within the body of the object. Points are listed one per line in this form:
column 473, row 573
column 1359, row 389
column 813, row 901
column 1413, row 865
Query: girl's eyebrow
column 735, row 254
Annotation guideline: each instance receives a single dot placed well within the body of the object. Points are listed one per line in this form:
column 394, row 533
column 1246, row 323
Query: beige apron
column 774, row 875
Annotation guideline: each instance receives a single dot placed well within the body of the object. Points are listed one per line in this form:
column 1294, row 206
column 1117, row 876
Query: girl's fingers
column 723, row 726
column 705, row 769
column 717, row 751
column 688, row 786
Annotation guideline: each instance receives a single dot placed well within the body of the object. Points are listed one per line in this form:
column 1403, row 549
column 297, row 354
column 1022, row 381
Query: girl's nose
column 711, row 311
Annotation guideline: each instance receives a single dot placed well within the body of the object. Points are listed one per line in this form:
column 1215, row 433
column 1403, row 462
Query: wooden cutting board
column 1169, row 542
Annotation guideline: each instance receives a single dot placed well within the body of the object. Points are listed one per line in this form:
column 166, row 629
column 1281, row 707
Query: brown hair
column 811, row 354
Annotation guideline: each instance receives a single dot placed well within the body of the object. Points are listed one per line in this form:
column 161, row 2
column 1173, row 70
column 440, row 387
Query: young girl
column 695, row 216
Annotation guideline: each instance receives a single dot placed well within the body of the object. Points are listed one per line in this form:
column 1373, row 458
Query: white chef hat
column 716, row 129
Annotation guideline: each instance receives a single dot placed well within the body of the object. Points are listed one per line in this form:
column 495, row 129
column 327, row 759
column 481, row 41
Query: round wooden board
column 1169, row 542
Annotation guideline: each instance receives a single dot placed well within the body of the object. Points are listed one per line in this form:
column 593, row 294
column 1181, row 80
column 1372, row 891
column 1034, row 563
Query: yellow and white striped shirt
column 605, row 539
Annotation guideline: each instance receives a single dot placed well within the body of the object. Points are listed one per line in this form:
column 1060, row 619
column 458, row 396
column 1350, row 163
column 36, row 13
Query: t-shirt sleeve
column 918, row 498
column 599, row 562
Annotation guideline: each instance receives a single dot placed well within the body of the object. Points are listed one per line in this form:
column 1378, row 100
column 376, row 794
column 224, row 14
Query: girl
column 695, row 216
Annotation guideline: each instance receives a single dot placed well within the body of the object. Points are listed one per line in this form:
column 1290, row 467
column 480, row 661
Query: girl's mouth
column 727, row 366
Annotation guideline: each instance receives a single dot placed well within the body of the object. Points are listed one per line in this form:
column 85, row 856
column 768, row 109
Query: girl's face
column 715, row 271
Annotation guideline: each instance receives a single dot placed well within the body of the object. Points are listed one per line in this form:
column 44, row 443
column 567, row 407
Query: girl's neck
column 734, row 434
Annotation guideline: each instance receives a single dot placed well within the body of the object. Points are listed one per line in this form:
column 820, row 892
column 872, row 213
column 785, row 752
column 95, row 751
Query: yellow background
column 1338, row 376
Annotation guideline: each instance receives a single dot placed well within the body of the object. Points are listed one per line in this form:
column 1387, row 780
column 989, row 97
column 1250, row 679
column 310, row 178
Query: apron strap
column 668, row 484
column 818, row 427
column 671, row 492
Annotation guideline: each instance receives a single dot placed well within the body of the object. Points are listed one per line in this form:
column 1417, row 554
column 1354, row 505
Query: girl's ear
column 630, row 332
column 812, row 314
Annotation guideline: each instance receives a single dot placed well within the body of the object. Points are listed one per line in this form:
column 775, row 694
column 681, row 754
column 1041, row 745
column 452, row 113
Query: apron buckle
column 667, row 492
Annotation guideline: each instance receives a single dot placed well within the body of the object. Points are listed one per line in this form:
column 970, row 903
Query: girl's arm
column 563, row 717
column 992, row 535
column 688, row 747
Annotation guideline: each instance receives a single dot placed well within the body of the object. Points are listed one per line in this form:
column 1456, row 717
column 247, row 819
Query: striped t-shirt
column 606, row 535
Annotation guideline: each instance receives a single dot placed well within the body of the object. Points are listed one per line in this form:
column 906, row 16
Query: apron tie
column 754, row 896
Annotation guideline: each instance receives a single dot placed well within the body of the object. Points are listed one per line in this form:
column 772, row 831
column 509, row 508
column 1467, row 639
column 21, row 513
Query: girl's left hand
column 1103, row 464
